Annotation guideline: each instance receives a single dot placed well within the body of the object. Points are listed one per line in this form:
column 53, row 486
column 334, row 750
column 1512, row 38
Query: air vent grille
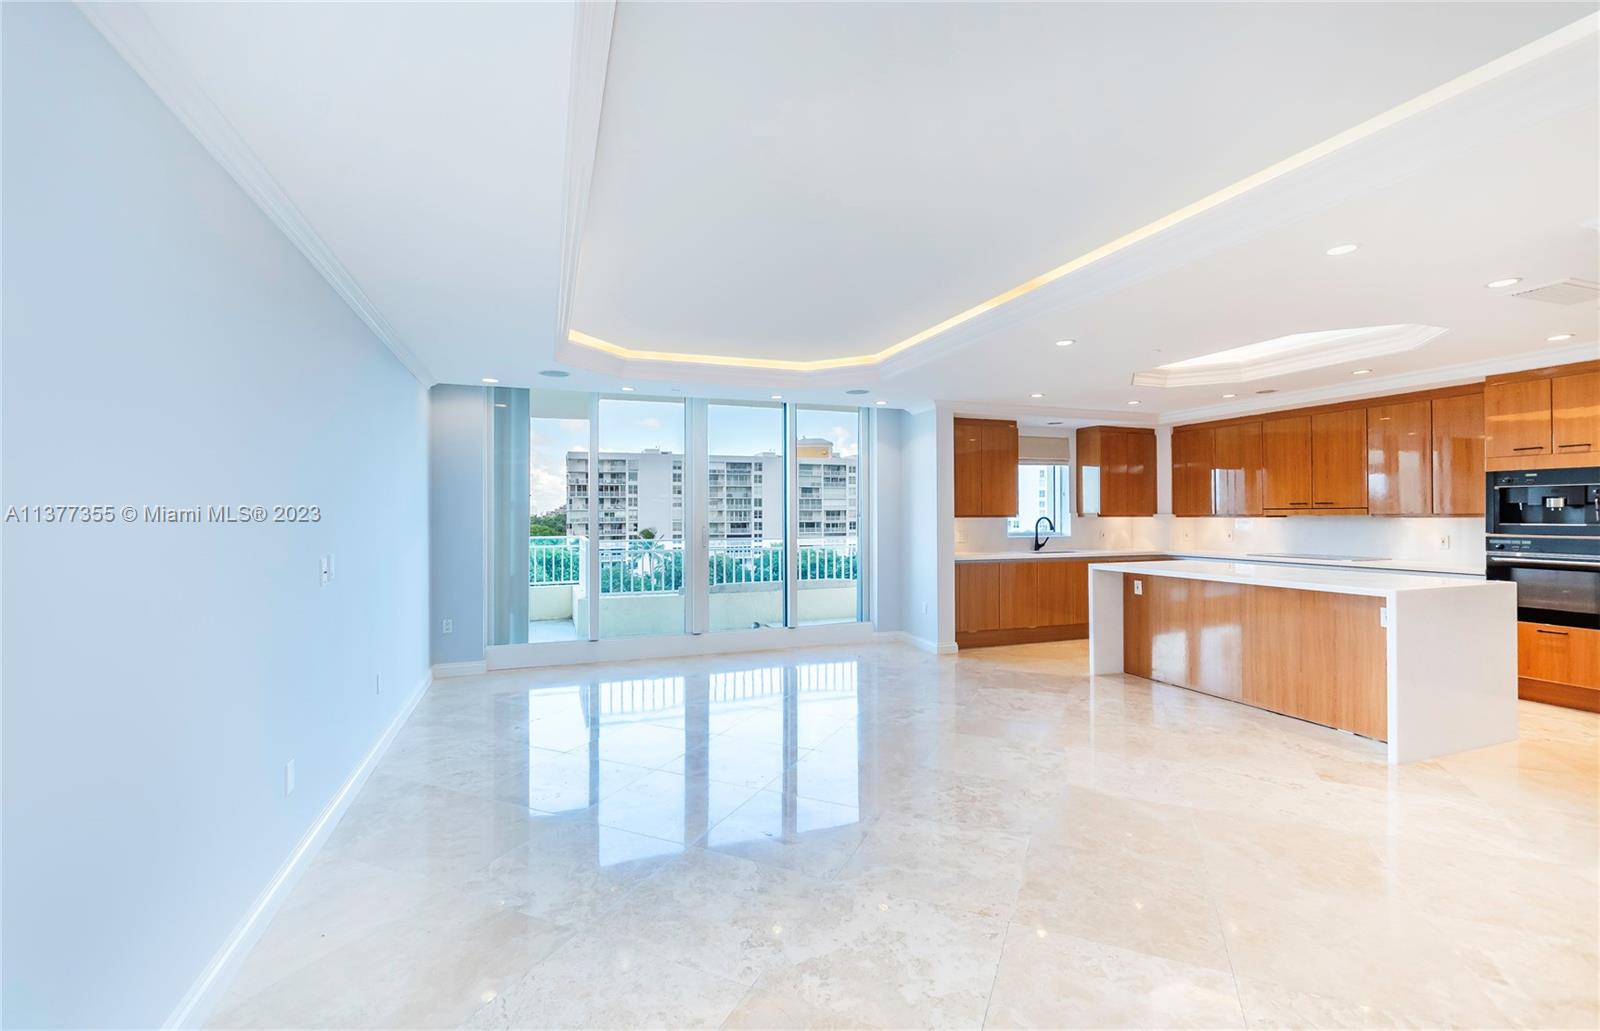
column 1562, row 291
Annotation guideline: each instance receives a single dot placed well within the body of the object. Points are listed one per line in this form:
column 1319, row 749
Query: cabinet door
column 1054, row 587
column 1140, row 485
column 1516, row 418
column 1019, row 594
column 1286, row 459
column 1400, row 459
column 1339, row 459
column 1192, row 452
column 999, row 468
column 1236, row 479
column 977, row 596
column 1575, row 413
column 969, row 467
column 1458, row 486
column 1558, row 654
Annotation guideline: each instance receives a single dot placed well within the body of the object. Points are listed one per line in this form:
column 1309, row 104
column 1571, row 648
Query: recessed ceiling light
column 1055, row 423
column 627, row 390
column 1559, row 337
column 1360, row 372
column 1269, row 390
column 1343, row 248
column 1035, row 396
column 1065, row 343
column 777, row 397
column 554, row 373
column 490, row 379
column 880, row 402
column 1498, row 283
column 858, row 390
column 1226, row 396
column 1135, row 402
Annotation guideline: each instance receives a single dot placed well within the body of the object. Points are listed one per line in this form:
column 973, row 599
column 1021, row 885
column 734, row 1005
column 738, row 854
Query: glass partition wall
column 656, row 516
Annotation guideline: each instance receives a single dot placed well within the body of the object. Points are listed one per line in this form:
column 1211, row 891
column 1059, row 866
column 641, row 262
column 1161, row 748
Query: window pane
column 827, row 449
column 558, row 517
column 638, row 516
column 745, row 520
column 1041, row 491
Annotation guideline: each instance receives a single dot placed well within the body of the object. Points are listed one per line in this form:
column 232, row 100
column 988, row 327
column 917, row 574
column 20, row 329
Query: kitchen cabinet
column 1575, row 413
column 1338, row 459
column 977, row 597
column 1400, row 459
column 1286, row 462
column 1516, row 417
column 1236, row 474
column 1315, row 463
column 1457, row 432
column 1559, row 665
column 1193, row 456
column 1116, row 471
column 985, row 467
column 1014, row 601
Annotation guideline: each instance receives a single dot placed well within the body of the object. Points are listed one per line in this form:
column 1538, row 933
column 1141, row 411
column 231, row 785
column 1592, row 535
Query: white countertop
column 1382, row 565
column 1376, row 582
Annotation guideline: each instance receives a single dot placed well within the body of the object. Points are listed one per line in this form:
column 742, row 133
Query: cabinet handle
column 1584, row 444
column 1299, row 502
column 1530, row 447
column 1327, row 502
column 1552, row 633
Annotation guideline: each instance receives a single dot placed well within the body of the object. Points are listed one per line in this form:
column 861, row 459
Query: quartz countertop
column 1382, row 565
column 1374, row 582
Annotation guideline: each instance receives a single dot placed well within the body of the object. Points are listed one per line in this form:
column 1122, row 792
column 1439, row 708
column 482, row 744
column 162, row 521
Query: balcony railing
column 656, row 566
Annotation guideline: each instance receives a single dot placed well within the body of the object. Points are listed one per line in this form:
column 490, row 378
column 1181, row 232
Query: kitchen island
column 1426, row 664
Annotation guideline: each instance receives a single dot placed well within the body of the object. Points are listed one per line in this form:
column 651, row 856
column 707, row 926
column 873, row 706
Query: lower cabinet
column 1020, row 601
column 1559, row 665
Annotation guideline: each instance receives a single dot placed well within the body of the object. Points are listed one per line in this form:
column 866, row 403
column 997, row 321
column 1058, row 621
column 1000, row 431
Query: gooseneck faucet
column 1038, row 544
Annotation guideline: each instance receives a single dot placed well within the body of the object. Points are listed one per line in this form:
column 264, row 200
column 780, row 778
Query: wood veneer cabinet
column 1516, row 417
column 1575, row 413
column 1338, row 459
column 1400, row 459
column 1236, row 473
column 1286, row 461
column 1457, row 433
column 985, row 467
column 1193, row 458
column 1559, row 665
column 1014, row 601
column 1116, row 471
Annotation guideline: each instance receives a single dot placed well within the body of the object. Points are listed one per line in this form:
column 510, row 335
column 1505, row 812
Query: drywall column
column 508, row 517
column 458, row 489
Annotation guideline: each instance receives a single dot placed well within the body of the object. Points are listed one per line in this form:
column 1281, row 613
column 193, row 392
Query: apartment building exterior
column 643, row 492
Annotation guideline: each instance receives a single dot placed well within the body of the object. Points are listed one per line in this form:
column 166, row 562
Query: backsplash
column 1364, row 536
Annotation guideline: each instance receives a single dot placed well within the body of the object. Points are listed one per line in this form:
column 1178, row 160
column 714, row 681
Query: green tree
column 549, row 524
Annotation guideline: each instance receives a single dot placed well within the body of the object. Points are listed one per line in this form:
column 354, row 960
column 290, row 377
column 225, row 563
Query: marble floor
column 877, row 837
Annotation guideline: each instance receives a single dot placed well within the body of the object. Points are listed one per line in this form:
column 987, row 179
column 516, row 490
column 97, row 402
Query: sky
column 629, row 425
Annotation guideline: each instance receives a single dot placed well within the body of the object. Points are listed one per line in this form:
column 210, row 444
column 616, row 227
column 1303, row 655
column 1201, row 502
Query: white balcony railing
column 641, row 566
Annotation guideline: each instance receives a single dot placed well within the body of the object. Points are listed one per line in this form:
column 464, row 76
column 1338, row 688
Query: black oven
column 1544, row 536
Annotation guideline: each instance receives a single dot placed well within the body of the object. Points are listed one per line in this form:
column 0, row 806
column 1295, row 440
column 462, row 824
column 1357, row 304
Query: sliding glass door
column 745, row 516
column 638, row 516
column 828, row 556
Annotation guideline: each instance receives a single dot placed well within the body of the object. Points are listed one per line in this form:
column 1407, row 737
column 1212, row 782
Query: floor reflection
column 652, row 756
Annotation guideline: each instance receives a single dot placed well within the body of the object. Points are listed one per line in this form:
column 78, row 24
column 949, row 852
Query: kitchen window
column 1043, row 489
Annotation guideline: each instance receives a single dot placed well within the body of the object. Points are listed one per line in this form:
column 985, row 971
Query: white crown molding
column 130, row 32
column 1424, row 379
column 591, row 55
column 1317, row 351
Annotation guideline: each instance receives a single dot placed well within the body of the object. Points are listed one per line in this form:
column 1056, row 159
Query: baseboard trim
column 1024, row 635
column 920, row 643
column 207, row 990
column 1571, row 696
column 444, row 670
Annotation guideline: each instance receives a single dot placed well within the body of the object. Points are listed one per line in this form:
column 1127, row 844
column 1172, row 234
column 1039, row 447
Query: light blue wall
column 164, row 344
column 919, row 556
column 458, row 443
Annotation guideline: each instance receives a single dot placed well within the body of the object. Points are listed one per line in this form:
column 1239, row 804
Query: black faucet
column 1038, row 545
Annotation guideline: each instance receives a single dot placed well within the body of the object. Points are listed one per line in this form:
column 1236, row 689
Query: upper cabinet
column 985, row 467
column 1339, row 460
column 1193, row 458
column 1236, row 471
column 1116, row 471
column 1286, row 459
column 1543, row 418
column 1458, row 488
column 1400, row 459
column 1575, row 413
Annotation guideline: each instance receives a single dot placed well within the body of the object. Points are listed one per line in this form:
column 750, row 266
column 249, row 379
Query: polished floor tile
column 883, row 838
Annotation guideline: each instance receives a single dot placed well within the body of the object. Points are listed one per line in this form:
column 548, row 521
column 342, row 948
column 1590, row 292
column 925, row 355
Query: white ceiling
column 777, row 181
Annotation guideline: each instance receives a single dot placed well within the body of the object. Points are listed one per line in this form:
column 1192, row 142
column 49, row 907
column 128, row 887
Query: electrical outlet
column 288, row 778
column 449, row 626
column 924, row 608
column 1138, row 587
column 327, row 569
column 961, row 534
column 377, row 683
column 1444, row 542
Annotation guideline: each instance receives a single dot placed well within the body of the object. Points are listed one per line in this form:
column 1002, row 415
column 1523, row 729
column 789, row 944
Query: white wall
column 888, row 517
column 922, row 521
column 165, row 345
column 458, row 474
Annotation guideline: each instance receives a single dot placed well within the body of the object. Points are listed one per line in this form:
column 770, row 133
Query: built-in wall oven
column 1544, row 536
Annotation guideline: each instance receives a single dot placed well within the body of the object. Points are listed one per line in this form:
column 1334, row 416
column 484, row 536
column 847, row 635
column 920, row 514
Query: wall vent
column 1562, row 291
